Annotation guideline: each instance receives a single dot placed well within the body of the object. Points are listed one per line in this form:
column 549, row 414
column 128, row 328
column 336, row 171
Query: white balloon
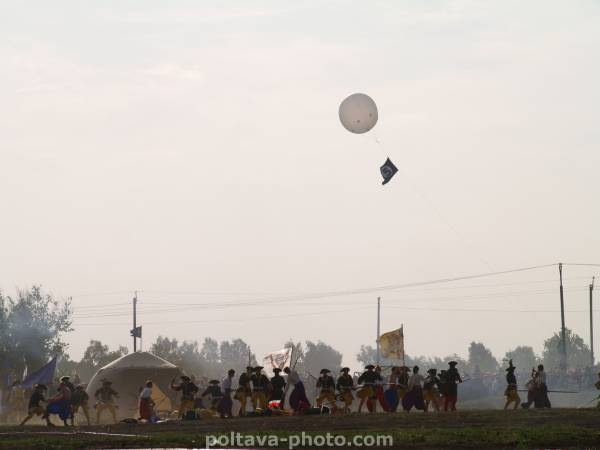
column 358, row 113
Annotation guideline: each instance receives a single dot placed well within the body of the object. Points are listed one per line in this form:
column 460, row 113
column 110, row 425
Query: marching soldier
column 66, row 380
column 214, row 392
column 277, row 385
column 345, row 385
column 403, row 378
column 379, row 392
column 260, row 385
column 452, row 379
column 244, row 390
column 511, row 393
column 188, row 393
column 391, row 393
column 105, row 400
column 226, row 405
column 37, row 403
column 431, row 394
column 80, row 399
column 327, row 386
column 368, row 379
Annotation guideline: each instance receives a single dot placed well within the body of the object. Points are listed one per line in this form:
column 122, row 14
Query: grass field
column 574, row 428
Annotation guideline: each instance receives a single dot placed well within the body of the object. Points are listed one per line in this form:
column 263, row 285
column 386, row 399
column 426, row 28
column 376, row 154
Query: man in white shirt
column 541, row 399
column 414, row 397
column 226, row 404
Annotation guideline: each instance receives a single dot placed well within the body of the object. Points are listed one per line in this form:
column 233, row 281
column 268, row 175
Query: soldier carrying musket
column 511, row 393
column 345, row 385
column 326, row 384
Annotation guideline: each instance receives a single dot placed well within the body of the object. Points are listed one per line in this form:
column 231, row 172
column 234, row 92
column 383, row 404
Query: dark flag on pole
column 136, row 332
column 388, row 170
column 44, row 375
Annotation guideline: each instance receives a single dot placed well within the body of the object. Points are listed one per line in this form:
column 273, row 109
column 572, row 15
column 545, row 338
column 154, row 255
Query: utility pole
column 378, row 323
column 592, row 321
column 563, row 361
column 134, row 333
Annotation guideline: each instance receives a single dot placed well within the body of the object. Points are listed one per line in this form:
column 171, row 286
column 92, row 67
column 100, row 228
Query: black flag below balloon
column 388, row 170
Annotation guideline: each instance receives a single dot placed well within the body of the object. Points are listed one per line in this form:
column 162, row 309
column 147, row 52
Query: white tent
column 128, row 374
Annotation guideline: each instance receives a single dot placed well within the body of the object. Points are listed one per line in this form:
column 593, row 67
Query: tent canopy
column 128, row 375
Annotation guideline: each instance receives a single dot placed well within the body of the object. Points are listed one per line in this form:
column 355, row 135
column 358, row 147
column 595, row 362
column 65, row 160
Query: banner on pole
column 392, row 344
column 277, row 359
column 44, row 375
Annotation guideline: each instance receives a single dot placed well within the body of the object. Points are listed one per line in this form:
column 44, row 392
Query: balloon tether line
column 417, row 191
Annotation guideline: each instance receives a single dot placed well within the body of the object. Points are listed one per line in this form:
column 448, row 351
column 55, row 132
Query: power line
column 244, row 319
column 124, row 307
column 176, row 307
column 581, row 264
column 553, row 311
column 382, row 288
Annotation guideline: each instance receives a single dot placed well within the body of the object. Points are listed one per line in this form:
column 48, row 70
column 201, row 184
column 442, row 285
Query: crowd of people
column 68, row 400
column 401, row 388
column 492, row 383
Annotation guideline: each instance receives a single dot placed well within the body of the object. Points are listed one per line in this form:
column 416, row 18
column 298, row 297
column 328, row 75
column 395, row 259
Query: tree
column 96, row 356
column 578, row 353
column 321, row 356
column 366, row 355
column 236, row 355
column 167, row 349
column 32, row 326
column 68, row 367
column 210, row 351
column 186, row 355
column 481, row 357
column 212, row 360
column 191, row 360
column 523, row 357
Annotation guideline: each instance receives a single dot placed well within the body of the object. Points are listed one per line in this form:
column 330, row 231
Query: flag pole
column 378, row 331
column 403, row 352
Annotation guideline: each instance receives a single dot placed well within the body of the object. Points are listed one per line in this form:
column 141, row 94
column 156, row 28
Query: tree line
column 34, row 325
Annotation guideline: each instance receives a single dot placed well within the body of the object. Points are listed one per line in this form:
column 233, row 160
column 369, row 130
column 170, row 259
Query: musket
column 358, row 386
column 556, row 392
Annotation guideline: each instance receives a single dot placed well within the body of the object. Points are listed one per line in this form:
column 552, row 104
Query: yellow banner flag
column 392, row 344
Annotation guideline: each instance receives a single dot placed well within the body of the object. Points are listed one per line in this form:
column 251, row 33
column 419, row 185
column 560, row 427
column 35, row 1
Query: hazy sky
column 191, row 150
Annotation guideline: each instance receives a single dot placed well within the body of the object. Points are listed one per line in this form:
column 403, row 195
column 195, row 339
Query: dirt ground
column 564, row 427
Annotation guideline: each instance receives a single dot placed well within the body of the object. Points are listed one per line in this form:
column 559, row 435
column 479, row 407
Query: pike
column 556, row 392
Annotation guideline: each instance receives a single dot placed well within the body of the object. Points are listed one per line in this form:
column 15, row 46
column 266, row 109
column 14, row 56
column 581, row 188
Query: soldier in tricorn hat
column 368, row 379
column 326, row 384
column 452, row 379
column 260, row 387
column 37, row 403
column 244, row 391
column 277, row 385
column 511, row 393
column 188, row 394
column 345, row 385
column 105, row 400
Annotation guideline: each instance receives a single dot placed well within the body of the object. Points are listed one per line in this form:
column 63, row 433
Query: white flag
column 277, row 359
